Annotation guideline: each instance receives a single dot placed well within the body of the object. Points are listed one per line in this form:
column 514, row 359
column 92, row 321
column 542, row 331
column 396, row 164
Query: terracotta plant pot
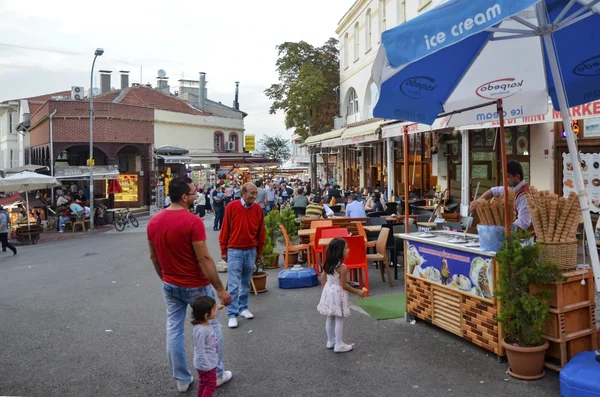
column 526, row 363
column 260, row 281
column 293, row 258
column 274, row 263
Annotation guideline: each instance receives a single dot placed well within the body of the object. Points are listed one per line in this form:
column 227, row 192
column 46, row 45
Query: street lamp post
column 90, row 162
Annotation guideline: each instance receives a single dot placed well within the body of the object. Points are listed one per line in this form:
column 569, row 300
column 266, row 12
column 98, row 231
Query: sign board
column 249, row 142
column 590, row 168
column 463, row 271
column 591, row 127
column 80, row 172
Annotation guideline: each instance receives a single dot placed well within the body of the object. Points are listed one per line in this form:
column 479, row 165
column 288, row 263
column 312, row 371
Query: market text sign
column 591, row 109
column 463, row 271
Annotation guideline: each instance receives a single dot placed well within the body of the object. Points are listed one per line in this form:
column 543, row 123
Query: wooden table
column 427, row 207
column 306, row 232
column 373, row 228
column 427, row 224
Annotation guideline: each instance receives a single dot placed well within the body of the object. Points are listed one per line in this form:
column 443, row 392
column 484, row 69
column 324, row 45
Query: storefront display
column 590, row 168
column 130, row 185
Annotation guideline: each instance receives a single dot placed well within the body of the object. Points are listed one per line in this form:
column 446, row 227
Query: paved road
column 86, row 318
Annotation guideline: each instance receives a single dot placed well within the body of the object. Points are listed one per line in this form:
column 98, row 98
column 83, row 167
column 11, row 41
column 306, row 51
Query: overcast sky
column 230, row 40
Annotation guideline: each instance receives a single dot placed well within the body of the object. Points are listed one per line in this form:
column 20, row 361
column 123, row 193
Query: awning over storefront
column 174, row 159
column 581, row 112
column 367, row 132
column 205, row 160
column 331, row 143
column 317, row 139
column 101, row 172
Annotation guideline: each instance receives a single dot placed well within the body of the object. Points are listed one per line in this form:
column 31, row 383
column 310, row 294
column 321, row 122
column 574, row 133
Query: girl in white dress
column 334, row 298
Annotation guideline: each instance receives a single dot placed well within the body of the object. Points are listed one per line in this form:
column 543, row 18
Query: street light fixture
column 90, row 162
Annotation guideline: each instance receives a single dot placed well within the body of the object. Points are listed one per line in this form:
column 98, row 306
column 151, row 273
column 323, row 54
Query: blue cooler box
column 581, row 376
column 297, row 278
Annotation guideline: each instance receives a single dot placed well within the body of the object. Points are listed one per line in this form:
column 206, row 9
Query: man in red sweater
column 178, row 250
column 242, row 240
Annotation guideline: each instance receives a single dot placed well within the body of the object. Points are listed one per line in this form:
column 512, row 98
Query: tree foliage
column 522, row 313
column 274, row 148
column 306, row 92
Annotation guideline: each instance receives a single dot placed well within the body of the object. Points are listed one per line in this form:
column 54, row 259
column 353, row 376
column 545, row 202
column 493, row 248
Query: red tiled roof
column 36, row 102
column 150, row 98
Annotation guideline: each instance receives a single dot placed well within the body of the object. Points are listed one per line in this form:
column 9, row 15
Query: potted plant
column 271, row 258
column 290, row 223
column 259, row 276
column 522, row 313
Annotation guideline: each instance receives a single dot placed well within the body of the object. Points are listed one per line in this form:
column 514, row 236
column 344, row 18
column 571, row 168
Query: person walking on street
column 4, row 232
column 242, row 240
column 219, row 207
column 178, row 251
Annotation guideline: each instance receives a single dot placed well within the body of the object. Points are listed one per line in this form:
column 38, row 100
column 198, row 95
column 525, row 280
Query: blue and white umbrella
column 465, row 53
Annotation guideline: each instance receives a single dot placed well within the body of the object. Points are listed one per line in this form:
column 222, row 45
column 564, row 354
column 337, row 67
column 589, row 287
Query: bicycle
column 124, row 218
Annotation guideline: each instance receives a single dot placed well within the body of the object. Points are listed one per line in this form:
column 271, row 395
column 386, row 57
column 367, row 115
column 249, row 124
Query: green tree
column 306, row 92
column 274, row 148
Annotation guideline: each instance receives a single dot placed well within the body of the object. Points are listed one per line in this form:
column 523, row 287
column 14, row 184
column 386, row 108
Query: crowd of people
column 182, row 261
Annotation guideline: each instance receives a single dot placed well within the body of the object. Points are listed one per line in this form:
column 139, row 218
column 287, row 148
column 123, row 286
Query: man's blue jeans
column 177, row 300
column 240, row 265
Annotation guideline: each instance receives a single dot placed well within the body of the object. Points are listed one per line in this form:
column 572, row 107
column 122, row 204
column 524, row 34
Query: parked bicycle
column 125, row 218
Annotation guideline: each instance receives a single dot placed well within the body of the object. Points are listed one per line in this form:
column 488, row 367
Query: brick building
column 123, row 136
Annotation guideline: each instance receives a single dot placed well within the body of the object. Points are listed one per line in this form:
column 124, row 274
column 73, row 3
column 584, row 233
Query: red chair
column 340, row 232
column 357, row 259
column 316, row 249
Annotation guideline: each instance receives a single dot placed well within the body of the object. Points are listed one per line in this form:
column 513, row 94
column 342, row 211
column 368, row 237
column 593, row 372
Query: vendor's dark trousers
column 219, row 212
column 6, row 244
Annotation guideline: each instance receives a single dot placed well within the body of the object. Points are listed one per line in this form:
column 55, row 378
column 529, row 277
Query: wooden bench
column 24, row 233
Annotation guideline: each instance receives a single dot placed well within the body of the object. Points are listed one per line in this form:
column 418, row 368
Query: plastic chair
column 316, row 224
column 299, row 211
column 357, row 259
column 381, row 256
column 391, row 207
column 376, row 214
column 362, row 232
column 293, row 248
column 316, row 249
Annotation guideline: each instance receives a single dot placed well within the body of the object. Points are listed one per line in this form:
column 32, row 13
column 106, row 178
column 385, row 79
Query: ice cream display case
column 450, row 283
column 129, row 197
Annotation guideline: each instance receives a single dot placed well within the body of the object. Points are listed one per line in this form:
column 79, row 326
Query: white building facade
column 11, row 141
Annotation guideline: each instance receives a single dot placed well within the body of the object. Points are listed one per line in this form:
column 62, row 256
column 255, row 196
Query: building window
column 356, row 41
column 12, row 123
column 352, row 102
column 423, row 4
column 402, row 12
column 382, row 17
column 368, row 31
column 233, row 137
column 219, row 141
column 346, row 50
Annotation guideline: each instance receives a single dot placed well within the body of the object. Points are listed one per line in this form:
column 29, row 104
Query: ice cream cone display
column 555, row 220
column 491, row 212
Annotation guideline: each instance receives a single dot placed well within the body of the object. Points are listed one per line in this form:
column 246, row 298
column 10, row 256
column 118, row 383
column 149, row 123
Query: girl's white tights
column 335, row 329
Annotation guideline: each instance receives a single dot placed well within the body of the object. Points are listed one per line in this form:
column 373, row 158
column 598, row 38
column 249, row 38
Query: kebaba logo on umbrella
column 499, row 89
column 589, row 67
column 418, row 87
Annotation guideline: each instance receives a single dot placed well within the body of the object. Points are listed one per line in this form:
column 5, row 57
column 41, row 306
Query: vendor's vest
column 524, row 189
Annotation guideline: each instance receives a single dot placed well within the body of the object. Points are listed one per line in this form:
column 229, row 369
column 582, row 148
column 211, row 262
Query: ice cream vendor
column 516, row 182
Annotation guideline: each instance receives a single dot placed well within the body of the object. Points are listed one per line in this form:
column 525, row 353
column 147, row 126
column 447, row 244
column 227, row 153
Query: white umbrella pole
column 28, row 220
column 564, row 109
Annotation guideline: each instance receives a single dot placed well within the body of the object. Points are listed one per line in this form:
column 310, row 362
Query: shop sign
column 466, row 272
column 360, row 139
column 79, row 171
column 591, row 127
column 249, row 142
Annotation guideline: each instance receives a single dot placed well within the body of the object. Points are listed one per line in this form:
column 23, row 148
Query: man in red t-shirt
column 242, row 240
column 177, row 243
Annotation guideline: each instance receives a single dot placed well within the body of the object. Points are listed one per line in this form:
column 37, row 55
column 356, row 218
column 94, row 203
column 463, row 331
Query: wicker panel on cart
column 418, row 298
column 479, row 323
column 563, row 254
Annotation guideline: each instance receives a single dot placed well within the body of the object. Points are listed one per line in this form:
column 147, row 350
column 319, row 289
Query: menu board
column 590, row 168
column 463, row 271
